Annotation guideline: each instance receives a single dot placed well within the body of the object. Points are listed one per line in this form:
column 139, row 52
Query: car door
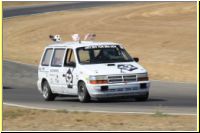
column 56, row 70
column 69, row 73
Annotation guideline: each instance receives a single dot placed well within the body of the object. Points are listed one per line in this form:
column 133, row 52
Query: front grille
column 115, row 79
column 130, row 78
column 122, row 79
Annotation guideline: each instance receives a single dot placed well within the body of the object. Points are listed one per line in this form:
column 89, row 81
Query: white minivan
column 90, row 69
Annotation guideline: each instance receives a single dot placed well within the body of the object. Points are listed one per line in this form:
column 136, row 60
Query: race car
column 90, row 69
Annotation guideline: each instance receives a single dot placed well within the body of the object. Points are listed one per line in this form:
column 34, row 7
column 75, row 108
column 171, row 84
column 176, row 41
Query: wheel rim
column 45, row 91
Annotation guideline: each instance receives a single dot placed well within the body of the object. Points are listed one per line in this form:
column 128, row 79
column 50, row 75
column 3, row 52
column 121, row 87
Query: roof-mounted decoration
column 90, row 36
column 55, row 38
column 76, row 37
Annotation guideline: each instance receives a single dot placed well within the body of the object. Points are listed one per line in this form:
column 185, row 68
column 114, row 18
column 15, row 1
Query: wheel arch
column 79, row 81
column 42, row 82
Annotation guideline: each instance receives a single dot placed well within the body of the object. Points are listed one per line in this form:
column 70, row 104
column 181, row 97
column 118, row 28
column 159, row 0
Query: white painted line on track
column 28, row 107
column 94, row 111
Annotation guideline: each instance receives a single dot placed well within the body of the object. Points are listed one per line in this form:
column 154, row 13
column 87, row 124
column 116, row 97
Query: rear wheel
column 83, row 94
column 142, row 97
column 46, row 92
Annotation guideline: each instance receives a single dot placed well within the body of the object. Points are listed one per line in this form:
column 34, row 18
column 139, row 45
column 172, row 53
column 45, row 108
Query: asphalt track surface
column 19, row 82
column 19, row 87
column 29, row 10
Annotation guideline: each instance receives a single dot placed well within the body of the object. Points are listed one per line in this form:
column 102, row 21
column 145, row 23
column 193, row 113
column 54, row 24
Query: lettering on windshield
column 100, row 46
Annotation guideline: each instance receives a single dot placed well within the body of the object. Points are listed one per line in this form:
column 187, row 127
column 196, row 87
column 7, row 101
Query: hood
column 113, row 68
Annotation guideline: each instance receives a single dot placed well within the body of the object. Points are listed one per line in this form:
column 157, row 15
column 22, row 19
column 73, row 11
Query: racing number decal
column 127, row 67
column 69, row 78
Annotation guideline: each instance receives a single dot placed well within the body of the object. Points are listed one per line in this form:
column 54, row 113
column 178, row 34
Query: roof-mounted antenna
column 76, row 37
column 55, row 38
column 90, row 36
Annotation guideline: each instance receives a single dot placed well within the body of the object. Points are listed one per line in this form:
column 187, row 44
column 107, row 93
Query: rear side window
column 58, row 57
column 47, row 57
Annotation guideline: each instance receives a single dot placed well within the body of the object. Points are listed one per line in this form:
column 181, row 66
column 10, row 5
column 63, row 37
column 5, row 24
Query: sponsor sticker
column 69, row 78
column 126, row 67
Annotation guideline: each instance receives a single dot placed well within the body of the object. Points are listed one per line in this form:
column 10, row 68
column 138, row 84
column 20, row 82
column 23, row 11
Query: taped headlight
column 143, row 77
column 101, row 79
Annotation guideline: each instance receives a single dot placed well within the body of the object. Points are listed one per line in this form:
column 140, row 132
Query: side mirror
column 71, row 64
column 136, row 59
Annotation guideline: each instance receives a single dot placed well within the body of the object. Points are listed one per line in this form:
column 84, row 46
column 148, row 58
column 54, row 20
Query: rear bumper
column 118, row 90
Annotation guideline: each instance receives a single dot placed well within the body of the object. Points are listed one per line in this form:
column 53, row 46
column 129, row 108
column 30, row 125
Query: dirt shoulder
column 161, row 34
column 15, row 118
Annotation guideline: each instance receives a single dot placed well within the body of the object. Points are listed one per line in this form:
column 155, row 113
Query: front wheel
column 46, row 92
column 142, row 97
column 83, row 94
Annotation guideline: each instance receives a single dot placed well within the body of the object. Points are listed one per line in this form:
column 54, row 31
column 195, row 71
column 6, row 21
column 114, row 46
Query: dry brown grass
column 15, row 118
column 162, row 34
column 24, row 3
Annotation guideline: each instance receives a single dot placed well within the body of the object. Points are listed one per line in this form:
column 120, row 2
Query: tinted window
column 47, row 57
column 58, row 57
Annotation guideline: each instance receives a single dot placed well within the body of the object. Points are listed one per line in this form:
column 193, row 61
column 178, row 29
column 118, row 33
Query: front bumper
column 118, row 90
column 39, row 85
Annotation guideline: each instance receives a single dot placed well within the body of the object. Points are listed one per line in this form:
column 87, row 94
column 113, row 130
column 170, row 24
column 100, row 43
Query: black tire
column 142, row 97
column 46, row 92
column 83, row 94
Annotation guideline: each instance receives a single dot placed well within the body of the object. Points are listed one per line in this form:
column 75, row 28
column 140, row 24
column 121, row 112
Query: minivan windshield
column 102, row 54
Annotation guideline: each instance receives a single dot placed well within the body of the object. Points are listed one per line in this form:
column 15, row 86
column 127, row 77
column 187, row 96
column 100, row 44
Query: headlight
column 101, row 79
column 143, row 77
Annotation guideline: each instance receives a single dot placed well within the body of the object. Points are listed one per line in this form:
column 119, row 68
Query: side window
column 58, row 57
column 70, row 57
column 47, row 57
column 96, row 52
